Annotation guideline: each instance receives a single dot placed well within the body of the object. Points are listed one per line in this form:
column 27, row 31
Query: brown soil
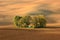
column 30, row 34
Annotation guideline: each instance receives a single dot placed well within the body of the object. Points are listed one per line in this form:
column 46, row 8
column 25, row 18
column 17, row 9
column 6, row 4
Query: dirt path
column 30, row 34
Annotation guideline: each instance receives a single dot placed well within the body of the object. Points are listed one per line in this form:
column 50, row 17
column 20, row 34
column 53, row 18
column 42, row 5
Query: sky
column 11, row 8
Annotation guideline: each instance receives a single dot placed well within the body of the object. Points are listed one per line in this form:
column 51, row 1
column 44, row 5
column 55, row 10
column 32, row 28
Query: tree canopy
column 37, row 21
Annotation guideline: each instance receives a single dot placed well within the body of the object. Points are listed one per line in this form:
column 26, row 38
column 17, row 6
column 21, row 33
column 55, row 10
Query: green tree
column 24, row 21
column 27, row 20
column 16, row 20
column 42, row 21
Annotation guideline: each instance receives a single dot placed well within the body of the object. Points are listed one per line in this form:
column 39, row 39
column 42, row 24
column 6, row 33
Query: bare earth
column 30, row 34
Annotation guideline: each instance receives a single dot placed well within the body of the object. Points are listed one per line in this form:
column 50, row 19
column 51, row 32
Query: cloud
column 51, row 20
column 58, row 11
column 5, row 23
column 42, row 9
column 5, row 20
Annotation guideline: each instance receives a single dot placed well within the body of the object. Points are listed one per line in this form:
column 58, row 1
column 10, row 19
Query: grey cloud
column 50, row 20
column 14, row 9
column 58, row 11
column 42, row 9
column 6, row 20
column 3, row 16
column 5, row 23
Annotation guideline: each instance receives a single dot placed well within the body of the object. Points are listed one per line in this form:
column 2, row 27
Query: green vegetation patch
column 37, row 21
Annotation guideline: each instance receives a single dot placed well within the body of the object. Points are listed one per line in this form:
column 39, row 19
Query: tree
column 27, row 20
column 16, row 20
column 40, row 21
column 24, row 22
